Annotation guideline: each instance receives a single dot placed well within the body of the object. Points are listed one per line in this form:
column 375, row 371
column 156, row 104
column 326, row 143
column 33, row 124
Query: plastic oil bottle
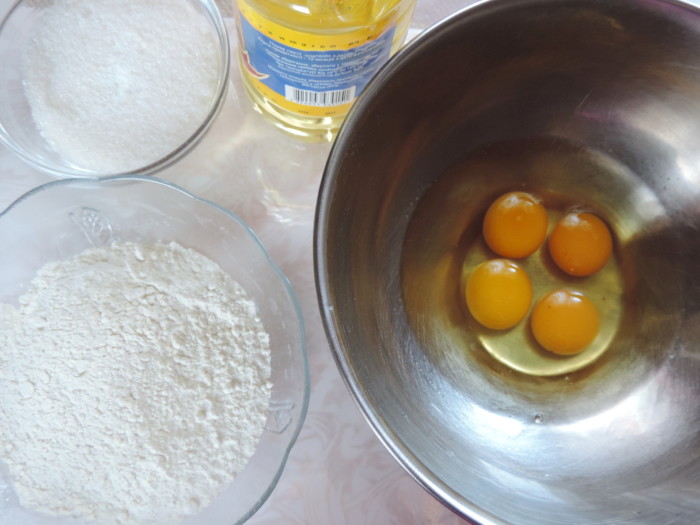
column 304, row 62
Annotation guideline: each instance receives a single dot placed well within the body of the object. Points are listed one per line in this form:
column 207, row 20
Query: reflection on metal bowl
column 590, row 103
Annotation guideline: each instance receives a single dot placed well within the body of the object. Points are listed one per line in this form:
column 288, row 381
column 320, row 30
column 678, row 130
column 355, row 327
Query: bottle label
column 310, row 74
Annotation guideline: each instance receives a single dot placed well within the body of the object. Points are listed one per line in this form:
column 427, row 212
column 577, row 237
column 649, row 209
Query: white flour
column 114, row 85
column 134, row 384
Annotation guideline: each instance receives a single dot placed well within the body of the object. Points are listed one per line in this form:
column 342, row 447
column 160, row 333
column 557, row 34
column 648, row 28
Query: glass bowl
column 65, row 217
column 18, row 126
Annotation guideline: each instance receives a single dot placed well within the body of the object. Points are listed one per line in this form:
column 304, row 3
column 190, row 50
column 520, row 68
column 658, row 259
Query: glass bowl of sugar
column 153, row 367
column 95, row 88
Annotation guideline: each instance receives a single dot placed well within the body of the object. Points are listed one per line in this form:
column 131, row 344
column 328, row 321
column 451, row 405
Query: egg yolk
column 515, row 225
column 564, row 322
column 498, row 294
column 580, row 244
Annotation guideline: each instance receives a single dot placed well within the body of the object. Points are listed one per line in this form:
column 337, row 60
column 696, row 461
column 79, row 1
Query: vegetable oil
column 304, row 62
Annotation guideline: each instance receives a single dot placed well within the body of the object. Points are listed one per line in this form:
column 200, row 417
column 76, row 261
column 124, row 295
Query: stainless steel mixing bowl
column 595, row 100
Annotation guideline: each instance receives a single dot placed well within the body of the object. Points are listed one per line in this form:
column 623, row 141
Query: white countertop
column 338, row 471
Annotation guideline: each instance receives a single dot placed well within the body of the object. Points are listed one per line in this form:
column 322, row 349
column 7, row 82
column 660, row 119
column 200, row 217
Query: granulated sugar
column 115, row 85
column 134, row 385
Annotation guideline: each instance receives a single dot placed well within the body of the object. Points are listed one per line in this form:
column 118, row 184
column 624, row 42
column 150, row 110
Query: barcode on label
column 319, row 98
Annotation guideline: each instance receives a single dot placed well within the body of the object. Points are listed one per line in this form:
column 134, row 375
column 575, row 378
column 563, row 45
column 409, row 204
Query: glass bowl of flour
column 153, row 367
column 95, row 88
